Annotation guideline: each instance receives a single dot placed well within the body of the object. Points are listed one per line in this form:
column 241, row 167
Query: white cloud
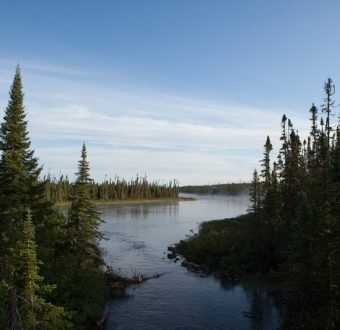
column 130, row 130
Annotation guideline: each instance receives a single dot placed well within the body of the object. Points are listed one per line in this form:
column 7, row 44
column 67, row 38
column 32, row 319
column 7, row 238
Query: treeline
column 296, row 211
column 59, row 190
column 215, row 189
column 293, row 226
column 51, row 273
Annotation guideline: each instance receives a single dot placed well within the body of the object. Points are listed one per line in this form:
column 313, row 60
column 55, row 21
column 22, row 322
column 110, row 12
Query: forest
column 51, row 267
column 59, row 190
column 292, row 229
column 215, row 189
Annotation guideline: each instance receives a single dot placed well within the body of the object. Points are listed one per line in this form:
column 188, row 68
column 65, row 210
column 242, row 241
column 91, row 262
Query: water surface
column 138, row 236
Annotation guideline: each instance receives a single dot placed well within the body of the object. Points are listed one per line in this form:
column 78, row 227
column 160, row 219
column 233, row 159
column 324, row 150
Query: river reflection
column 138, row 210
column 138, row 236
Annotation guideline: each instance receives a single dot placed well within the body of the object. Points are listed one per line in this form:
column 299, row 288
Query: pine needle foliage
column 84, row 219
column 35, row 312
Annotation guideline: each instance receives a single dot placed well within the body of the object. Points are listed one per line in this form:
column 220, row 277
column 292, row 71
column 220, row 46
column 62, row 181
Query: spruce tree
column 83, row 219
column 29, row 274
column 255, row 195
column 266, row 176
column 328, row 106
column 314, row 129
column 35, row 312
column 20, row 188
column 19, row 173
column 266, row 171
column 81, row 287
column 19, row 170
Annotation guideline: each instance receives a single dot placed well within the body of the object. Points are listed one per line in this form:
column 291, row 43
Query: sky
column 184, row 89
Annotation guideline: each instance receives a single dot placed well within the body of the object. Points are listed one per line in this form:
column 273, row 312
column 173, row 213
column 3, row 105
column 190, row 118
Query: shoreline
column 203, row 251
column 132, row 201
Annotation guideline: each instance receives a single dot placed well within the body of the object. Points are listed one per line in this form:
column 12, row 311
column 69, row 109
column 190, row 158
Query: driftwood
column 102, row 321
column 251, row 315
column 137, row 279
column 118, row 283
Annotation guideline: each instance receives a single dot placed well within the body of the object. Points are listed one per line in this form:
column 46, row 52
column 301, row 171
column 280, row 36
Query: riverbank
column 137, row 240
column 132, row 201
column 225, row 247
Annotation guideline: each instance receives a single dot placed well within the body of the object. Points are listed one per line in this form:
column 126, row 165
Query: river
column 137, row 239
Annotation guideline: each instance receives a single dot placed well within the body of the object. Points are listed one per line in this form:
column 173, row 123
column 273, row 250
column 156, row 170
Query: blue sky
column 174, row 88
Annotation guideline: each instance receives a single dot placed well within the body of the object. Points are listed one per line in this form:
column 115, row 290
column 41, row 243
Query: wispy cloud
column 133, row 130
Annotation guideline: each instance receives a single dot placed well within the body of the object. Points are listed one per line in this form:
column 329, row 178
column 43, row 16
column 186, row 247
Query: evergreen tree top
column 13, row 130
column 83, row 174
column 268, row 144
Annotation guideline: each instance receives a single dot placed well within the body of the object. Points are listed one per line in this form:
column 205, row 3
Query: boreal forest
column 52, row 274
column 52, row 270
column 292, row 229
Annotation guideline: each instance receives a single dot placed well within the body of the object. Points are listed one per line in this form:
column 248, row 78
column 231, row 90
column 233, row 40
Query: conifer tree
column 20, row 187
column 266, row 176
column 18, row 177
column 314, row 129
column 84, row 219
column 35, row 312
column 328, row 106
column 29, row 271
column 19, row 170
column 266, row 172
column 255, row 194
column 81, row 281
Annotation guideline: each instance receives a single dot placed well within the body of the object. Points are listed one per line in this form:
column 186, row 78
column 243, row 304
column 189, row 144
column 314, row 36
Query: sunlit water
column 138, row 236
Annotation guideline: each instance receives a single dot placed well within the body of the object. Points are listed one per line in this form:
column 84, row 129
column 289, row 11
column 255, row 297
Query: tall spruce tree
column 266, row 176
column 81, row 281
column 20, row 188
column 19, row 170
column 84, row 219
column 19, row 173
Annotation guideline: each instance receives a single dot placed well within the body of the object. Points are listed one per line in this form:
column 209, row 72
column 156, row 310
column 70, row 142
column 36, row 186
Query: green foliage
column 35, row 312
column 255, row 195
column 41, row 247
column 81, row 291
column 79, row 277
column 27, row 274
column 226, row 245
column 293, row 226
column 111, row 190
column 19, row 170
column 223, row 189
column 83, row 219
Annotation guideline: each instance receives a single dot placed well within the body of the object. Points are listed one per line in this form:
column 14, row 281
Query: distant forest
column 59, row 190
column 222, row 188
